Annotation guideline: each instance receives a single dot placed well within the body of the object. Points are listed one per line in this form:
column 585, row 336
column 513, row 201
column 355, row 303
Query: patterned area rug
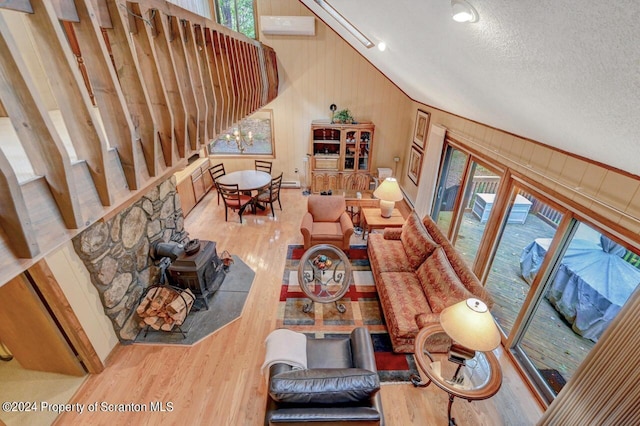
column 363, row 309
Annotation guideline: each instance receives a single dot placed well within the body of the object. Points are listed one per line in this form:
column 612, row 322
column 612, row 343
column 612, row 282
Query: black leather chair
column 340, row 385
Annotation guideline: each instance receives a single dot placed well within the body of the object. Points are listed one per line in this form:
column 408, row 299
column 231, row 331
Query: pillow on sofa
column 416, row 241
column 440, row 283
column 324, row 386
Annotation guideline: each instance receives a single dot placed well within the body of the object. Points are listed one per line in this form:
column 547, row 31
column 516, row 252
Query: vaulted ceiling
column 562, row 72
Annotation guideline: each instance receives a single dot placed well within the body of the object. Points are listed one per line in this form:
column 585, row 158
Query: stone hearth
column 116, row 253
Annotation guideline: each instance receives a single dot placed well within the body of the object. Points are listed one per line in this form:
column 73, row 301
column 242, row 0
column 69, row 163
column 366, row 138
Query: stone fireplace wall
column 116, row 253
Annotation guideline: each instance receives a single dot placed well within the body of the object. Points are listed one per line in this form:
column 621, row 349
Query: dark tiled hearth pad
column 225, row 306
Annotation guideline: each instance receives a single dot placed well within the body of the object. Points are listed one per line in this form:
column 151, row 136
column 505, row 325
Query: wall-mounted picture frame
column 415, row 165
column 420, row 131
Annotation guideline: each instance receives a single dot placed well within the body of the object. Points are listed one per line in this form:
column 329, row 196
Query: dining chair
column 216, row 171
column 272, row 194
column 263, row 166
column 233, row 199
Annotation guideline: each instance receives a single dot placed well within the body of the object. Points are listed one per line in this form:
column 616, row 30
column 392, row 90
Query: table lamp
column 388, row 192
column 472, row 328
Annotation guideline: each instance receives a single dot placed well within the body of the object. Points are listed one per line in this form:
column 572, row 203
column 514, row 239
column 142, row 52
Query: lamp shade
column 389, row 190
column 471, row 324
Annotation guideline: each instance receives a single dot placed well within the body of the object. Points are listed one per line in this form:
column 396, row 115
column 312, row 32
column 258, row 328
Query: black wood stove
column 201, row 272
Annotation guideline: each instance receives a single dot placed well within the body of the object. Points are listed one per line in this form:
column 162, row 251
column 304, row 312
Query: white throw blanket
column 287, row 347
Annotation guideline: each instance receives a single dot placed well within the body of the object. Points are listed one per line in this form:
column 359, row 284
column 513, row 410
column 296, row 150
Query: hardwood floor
column 218, row 381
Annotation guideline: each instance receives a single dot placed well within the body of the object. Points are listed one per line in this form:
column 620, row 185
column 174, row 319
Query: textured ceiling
column 563, row 72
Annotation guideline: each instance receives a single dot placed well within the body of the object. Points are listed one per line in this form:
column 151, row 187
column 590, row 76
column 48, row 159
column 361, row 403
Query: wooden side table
column 482, row 375
column 372, row 219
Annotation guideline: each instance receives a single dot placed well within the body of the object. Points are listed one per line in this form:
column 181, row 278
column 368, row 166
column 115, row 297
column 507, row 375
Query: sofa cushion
column 440, row 283
column 324, row 386
column 387, row 255
column 416, row 241
column 402, row 298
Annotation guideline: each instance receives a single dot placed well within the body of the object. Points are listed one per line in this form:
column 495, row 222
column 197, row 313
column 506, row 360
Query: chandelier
column 241, row 139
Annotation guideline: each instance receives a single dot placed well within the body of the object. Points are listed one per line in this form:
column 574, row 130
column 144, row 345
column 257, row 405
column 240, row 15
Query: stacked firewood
column 164, row 308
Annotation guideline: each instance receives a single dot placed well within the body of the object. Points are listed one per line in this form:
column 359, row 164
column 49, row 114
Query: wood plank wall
column 163, row 81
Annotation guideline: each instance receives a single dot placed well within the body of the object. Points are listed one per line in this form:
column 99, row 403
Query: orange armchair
column 326, row 222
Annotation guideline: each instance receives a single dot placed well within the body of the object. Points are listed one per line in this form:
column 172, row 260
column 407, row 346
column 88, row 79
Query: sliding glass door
column 451, row 175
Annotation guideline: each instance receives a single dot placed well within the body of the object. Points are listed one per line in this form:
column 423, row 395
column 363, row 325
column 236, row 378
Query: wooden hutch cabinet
column 340, row 155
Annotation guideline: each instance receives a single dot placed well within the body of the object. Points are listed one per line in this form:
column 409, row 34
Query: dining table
column 247, row 181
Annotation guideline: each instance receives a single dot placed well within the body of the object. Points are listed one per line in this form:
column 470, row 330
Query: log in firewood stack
column 164, row 308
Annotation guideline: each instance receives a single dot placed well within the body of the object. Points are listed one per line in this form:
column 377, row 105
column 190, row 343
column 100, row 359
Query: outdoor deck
column 550, row 342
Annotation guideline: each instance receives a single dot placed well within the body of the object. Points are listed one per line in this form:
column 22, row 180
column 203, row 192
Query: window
column 237, row 15
column 556, row 282
column 254, row 136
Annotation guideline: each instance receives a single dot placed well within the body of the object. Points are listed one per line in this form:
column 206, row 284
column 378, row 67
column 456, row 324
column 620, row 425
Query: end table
column 482, row 375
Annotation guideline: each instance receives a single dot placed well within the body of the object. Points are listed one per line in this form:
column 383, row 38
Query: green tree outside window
column 237, row 15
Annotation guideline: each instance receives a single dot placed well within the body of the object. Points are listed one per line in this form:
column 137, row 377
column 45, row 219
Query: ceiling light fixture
column 346, row 24
column 462, row 11
column 382, row 46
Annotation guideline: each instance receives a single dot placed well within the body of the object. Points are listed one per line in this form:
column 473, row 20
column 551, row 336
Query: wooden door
column 31, row 334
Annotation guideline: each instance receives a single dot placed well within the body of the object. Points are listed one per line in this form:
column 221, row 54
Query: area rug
column 363, row 309
column 225, row 306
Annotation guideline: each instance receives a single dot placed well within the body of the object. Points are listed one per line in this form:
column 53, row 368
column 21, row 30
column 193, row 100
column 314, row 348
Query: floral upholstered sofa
column 418, row 273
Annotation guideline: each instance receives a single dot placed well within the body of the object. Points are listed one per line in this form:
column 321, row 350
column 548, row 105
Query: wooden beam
column 41, row 276
column 193, row 63
column 65, row 10
column 14, row 215
column 35, row 129
column 223, row 63
column 17, row 5
column 232, row 64
column 150, row 74
column 214, row 68
column 206, row 71
column 101, row 11
column 69, row 89
column 174, row 33
column 162, row 54
column 107, row 90
column 132, row 88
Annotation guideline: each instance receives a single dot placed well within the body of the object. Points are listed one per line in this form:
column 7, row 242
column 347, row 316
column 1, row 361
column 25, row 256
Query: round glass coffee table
column 480, row 378
column 324, row 275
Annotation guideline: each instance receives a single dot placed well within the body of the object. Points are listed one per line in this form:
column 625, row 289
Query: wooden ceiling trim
column 14, row 215
column 132, row 88
column 232, row 78
column 176, row 46
column 223, row 71
column 217, row 76
column 193, row 63
column 35, row 129
column 69, row 89
column 106, row 90
column 214, row 67
column 162, row 56
column 206, row 71
column 210, row 71
column 142, row 30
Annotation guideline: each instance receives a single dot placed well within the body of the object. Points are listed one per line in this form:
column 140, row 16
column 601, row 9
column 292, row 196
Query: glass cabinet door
column 363, row 150
column 350, row 150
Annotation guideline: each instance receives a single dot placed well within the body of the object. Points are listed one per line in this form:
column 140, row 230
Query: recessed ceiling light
column 462, row 11
column 382, row 46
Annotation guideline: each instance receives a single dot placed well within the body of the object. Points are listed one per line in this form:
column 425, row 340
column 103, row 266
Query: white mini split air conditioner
column 288, row 25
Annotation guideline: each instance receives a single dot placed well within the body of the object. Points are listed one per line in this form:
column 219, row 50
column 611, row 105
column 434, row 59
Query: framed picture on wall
column 415, row 164
column 420, row 131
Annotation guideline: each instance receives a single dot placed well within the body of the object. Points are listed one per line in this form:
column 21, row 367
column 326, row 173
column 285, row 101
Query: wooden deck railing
column 162, row 80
